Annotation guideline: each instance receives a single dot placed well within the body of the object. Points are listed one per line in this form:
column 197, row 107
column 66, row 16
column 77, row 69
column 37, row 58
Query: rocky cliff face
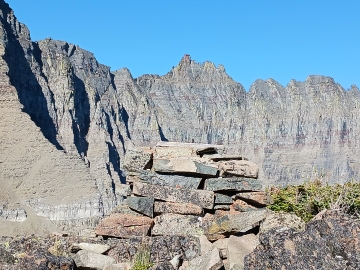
column 68, row 115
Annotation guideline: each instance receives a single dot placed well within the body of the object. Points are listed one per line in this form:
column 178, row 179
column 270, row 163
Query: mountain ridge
column 93, row 115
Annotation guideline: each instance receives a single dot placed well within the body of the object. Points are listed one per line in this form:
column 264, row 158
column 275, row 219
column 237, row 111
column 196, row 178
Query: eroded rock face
column 85, row 118
column 327, row 243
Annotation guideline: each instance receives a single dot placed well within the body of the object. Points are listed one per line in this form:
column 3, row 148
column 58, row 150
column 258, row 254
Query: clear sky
column 253, row 39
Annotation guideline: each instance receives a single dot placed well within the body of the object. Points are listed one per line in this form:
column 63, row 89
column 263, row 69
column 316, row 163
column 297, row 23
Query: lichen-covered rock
column 137, row 159
column 331, row 242
column 237, row 222
column 202, row 198
column 172, row 180
column 282, row 220
column 233, row 184
column 162, row 248
column 175, row 224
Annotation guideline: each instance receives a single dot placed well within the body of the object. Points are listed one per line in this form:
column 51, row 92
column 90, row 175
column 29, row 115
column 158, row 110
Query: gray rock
column 177, row 208
column 194, row 166
column 167, row 179
column 162, row 266
column 208, row 261
column 233, row 183
column 175, row 224
column 91, row 260
column 239, row 247
column 222, row 245
column 97, row 248
column 202, row 198
column 223, row 199
column 205, row 245
column 143, row 205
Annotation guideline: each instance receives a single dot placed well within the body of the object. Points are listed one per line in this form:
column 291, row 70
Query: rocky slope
column 67, row 122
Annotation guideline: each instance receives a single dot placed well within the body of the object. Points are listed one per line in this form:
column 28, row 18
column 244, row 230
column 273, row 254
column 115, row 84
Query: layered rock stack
column 189, row 190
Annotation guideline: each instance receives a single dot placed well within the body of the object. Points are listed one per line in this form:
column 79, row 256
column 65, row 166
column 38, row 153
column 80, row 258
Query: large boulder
column 331, row 242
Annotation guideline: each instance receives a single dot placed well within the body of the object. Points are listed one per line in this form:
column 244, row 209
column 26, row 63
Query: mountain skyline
column 281, row 40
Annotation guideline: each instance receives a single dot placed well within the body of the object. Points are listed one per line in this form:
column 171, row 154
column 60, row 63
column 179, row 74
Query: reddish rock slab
column 124, row 226
column 259, row 198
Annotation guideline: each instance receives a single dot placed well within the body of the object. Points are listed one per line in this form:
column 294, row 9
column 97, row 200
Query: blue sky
column 253, row 39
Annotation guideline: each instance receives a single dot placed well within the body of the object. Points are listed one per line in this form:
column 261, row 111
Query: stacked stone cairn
column 195, row 194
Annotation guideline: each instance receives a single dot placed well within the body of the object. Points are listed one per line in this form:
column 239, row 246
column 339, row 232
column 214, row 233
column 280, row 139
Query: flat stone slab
column 202, row 198
column 208, row 261
column 239, row 222
column 90, row 260
column 233, row 184
column 124, row 226
column 175, row 224
column 193, row 166
column 223, row 199
column 166, row 179
column 218, row 157
column 177, row 208
column 259, row 198
column 97, row 248
column 143, row 205
column 239, row 168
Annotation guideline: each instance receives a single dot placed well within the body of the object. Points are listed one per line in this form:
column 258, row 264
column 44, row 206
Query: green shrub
column 309, row 199
column 142, row 260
